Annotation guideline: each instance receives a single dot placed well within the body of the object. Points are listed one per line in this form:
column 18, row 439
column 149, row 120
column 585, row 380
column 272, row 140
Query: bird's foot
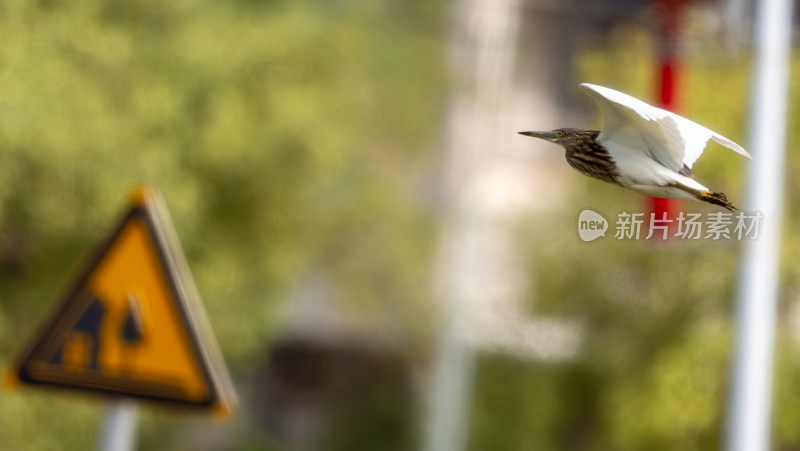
column 716, row 199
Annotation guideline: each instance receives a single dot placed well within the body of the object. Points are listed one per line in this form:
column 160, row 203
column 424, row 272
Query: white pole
column 750, row 404
column 119, row 426
column 481, row 49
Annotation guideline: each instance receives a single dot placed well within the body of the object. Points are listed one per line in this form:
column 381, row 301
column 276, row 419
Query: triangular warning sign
column 132, row 323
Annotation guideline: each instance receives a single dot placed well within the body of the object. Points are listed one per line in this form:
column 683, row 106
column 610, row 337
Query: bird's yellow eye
column 559, row 134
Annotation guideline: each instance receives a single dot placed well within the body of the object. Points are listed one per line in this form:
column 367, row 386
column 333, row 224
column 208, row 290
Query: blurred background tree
column 288, row 138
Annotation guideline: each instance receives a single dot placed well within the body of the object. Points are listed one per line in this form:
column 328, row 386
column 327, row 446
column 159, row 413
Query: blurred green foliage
column 288, row 138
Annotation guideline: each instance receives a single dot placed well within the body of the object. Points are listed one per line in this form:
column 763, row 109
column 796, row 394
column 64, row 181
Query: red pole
column 668, row 14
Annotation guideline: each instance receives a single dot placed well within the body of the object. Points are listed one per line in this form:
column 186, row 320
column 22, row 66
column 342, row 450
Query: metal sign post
column 119, row 426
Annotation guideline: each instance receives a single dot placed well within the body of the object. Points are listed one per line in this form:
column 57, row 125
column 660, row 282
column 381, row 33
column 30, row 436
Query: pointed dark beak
column 541, row 135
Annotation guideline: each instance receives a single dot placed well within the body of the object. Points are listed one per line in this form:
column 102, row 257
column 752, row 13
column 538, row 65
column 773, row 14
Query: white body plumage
column 650, row 145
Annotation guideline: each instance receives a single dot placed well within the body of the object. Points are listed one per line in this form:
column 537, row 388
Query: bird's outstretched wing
column 671, row 140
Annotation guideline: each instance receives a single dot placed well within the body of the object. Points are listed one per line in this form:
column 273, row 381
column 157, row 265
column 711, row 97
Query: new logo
column 591, row 225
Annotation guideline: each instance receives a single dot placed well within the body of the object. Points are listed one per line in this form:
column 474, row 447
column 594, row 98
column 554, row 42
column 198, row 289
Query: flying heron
column 640, row 147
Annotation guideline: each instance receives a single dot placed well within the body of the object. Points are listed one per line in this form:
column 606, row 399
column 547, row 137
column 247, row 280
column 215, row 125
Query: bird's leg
column 708, row 196
column 716, row 199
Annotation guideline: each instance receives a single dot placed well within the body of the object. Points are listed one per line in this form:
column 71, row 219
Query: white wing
column 669, row 139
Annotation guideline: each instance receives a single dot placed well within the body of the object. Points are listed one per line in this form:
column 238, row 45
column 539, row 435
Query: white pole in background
column 748, row 425
column 119, row 426
column 482, row 47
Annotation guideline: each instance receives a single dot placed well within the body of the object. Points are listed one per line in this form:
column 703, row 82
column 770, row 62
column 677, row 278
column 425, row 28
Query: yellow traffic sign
column 132, row 323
